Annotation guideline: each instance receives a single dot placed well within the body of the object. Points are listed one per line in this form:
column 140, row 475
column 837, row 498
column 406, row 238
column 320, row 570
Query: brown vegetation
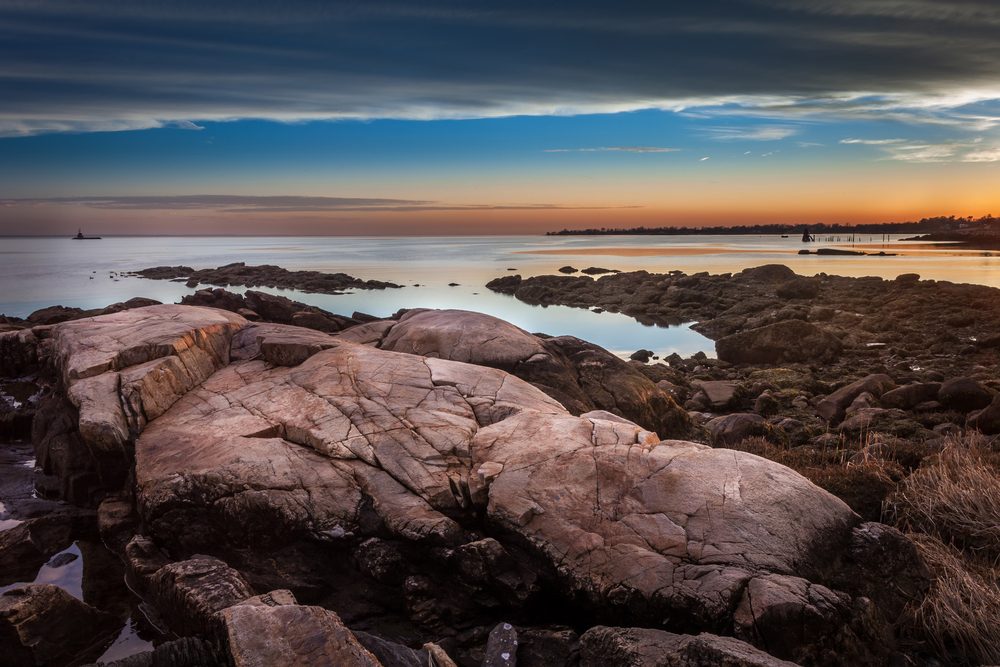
column 947, row 498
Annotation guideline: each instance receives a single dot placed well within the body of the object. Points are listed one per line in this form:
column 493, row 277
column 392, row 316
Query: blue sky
column 727, row 111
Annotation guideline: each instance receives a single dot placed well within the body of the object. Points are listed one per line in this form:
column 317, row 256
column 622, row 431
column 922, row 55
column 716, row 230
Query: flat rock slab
column 292, row 636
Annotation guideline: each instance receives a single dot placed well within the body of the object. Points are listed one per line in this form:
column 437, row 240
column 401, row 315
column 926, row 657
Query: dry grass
column 958, row 618
column 859, row 475
column 956, row 498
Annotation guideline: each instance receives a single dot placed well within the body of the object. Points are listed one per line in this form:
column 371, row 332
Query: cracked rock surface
column 447, row 490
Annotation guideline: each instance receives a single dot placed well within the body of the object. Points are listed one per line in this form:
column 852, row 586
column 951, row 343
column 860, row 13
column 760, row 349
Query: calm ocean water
column 38, row 272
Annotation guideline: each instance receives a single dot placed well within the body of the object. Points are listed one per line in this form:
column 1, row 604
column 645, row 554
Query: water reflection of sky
column 64, row 569
column 38, row 272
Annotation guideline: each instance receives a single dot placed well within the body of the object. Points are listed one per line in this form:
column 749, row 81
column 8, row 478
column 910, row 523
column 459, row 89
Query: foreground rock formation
column 393, row 493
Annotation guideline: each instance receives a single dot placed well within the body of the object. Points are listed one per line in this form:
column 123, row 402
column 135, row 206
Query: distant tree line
column 939, row 224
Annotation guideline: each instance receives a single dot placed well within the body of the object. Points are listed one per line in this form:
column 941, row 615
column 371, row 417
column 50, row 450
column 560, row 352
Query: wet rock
column 964, row 395
column 641, row 647
column 568, row 269
column 505, row 284
column 41, row 624
column 292, row 635
column 642, row 355
column 834, row 407
column 264, row 276
column 183, row 652
column 502, row 647
column 18, row 352
column 597, row 271
column 189, row 594
column 391, row 654
column 781, row 342
column 117, row 522
column 731, row 429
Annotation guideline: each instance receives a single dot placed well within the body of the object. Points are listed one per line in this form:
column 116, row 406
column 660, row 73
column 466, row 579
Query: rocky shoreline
column 282, row 485
column 264, row 275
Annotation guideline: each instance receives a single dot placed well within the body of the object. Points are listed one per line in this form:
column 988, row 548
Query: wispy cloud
column 913, row 150
column 275, row 204
column 614, row 149
column 752, row 133
column 873, row 142
column 160, row 64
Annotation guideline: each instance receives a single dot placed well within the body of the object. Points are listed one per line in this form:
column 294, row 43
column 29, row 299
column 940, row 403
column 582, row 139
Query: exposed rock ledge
column 297, row 456
column 264, row 275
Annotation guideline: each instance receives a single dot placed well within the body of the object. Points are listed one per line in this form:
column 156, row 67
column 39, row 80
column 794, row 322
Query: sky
column 474, row 117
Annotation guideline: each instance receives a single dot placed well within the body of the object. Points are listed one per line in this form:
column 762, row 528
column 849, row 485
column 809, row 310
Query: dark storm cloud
column 108, row 65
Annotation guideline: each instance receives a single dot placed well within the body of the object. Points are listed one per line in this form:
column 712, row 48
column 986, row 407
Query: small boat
column 80, row 237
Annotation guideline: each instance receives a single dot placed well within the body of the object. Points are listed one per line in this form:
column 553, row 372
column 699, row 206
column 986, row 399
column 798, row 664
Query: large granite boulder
column 578, row 374
column 255, row 438
column 118, row 372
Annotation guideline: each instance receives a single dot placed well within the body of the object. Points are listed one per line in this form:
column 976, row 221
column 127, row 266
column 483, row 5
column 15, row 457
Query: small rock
column 964, row 395
column 501, row 648
column 641, row 355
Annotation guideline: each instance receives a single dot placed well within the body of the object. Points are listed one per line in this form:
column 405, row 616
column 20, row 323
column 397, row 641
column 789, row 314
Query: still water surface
column 38, row 272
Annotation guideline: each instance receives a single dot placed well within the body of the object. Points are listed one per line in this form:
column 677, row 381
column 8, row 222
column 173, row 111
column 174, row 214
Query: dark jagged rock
column 41, row 624
column 834, row 407
column 505, row 284
column 597, row 271
column 501, row 648
column 57, row 314
column 887, row 322
column 781, row 342
column 264, row 275
column 191, row 593
column 642, row 355
column 641, row 647
column 271, row 308
column 183, row 652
